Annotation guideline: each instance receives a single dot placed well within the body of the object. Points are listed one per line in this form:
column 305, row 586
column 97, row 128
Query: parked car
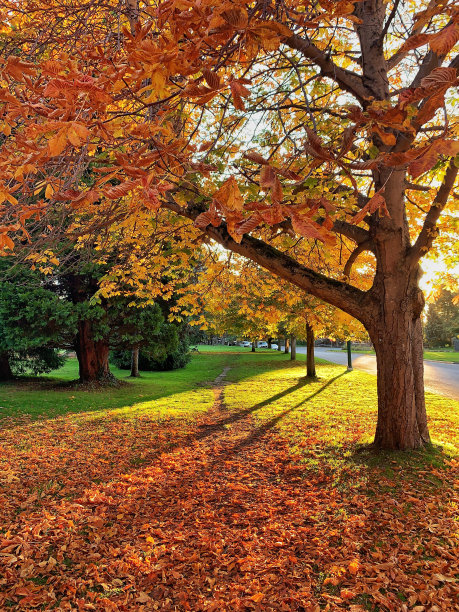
column 274, row 346
column 262, row 345
column 245, row 343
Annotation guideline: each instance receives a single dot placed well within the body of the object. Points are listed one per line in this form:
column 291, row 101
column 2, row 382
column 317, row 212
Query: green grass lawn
column 183, row 392
column 266, row 380
column 180, row 392
column 442, row 356
column 219, row 348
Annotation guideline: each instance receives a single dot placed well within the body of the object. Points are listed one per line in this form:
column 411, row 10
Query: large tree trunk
column 292, row 347
column 396, row 333
column 92, row 355
column 135, row 363
column 270, row 341
column 5, row 368
column 253, row 346
column 286, row 347
column 310, row 360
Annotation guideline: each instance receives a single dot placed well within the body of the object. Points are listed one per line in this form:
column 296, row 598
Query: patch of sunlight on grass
column 185, row 404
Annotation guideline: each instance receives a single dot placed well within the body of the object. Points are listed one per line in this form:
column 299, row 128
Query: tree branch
column 399, row 55
column 390, row 18
column 346, row 79
column 416, row 187
column 335, row 292
column 428, row 232
column 354, row 232
column 363, row 246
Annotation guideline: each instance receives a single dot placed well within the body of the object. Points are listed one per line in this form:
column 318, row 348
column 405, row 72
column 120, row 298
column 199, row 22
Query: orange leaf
column 439, row 76
column 203, row 220
column 444, row 41
column 249, row 224
column 229, row 195
column 277, row 192
column 57, row 143
column 414, row 41
column 255, row 157
column 354, row 567
column 257, row 597
column 212, row 78
column 267, row 177
column 237, row 17
column 387, row 137
column 377, row 202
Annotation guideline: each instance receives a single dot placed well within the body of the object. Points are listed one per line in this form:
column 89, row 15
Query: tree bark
column 270, row 341
column 279, row 345
column 310, row 360
column 292, row 347
column 135, row 363
column 286, row 347
column 5, row 368
column 92, row 355
column 253, row 346
column 396, row 333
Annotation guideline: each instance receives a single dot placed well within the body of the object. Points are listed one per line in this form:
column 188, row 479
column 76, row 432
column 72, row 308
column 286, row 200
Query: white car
column 246, row 343
column 262, row 345
column 274, row 347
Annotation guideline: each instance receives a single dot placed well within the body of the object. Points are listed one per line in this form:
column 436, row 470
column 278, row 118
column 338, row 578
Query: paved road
column 439, row 377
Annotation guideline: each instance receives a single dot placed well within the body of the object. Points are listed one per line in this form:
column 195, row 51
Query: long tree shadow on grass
column 68, row 456
column 259, row 432
column 48, row 398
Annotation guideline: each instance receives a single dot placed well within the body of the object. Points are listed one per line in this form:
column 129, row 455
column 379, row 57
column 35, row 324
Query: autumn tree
column 247, row 300
column 324, row 123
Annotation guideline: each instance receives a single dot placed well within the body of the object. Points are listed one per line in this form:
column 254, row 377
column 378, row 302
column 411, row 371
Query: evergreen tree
column 34, row 322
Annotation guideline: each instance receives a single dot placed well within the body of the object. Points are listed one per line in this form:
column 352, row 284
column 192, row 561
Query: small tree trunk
column 279, row 347
column 286, row 348
column 92, row 355
column 292, row 347
column 270, row 341
column 253, row 346
column 5, row 367
column 135, row 363
column 310, row 361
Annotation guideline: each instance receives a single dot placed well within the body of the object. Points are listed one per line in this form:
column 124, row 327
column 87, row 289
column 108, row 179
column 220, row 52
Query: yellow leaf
column 49, row 191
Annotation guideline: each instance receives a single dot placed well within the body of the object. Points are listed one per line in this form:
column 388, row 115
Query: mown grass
column 177, row 393
column 219, row 348
column 183, row 392
column 340, row 407
column 442, row 356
